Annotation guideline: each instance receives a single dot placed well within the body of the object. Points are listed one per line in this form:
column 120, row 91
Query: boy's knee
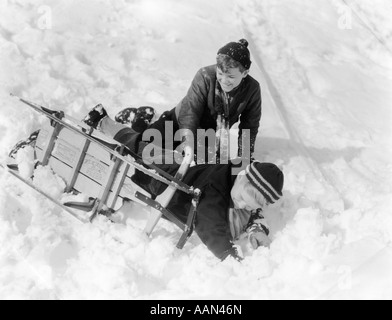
column 130, row 138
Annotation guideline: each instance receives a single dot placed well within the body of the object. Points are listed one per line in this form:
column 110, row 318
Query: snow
column 326, row 73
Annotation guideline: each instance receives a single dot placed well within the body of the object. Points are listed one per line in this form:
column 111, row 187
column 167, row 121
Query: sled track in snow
column 298, row 145
column 367, row 25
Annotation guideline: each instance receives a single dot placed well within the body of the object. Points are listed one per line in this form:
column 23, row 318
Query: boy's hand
column 258, row 239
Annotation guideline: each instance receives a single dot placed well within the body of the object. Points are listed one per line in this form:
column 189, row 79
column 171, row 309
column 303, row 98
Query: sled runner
column 102, row 168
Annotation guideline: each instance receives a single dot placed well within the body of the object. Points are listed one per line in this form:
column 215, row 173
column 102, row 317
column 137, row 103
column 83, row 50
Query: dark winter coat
column 212, row 221
column 197, row 109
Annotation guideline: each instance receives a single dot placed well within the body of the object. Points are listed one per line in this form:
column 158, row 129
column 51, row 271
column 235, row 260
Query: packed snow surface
column 325, row 68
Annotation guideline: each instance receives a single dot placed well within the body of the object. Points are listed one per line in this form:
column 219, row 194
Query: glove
column 259, row 238
column 232, row 252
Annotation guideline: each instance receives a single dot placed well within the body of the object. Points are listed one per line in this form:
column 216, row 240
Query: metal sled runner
column 102, row 168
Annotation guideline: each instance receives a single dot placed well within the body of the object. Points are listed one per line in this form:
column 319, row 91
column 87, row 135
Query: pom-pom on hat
column 238, row 51
column 267, row 178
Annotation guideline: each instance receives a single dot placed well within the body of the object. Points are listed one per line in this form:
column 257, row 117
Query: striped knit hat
column 267, row 178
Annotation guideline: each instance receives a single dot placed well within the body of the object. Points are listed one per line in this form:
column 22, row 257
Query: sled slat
column 43, row 141
column 106, row 187
column 76, row 169
column 118, row 184
column 50, row 145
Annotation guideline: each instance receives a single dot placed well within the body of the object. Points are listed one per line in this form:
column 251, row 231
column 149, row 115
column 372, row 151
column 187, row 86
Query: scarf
column 222, row 107
column 238, row 221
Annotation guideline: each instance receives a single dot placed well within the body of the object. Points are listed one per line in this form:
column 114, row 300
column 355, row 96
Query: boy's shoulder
column 208, row 71
column 252, row 82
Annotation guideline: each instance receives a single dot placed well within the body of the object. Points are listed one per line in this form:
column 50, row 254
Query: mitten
column 259, row 238
column 257, row 230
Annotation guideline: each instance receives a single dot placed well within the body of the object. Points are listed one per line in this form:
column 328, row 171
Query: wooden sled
column 101, row 168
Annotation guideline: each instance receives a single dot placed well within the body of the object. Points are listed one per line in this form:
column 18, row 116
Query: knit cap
column 267, row 178
column 238, row 51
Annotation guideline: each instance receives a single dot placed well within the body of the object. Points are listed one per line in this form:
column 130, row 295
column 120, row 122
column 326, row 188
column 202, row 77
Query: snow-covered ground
column 326, row 74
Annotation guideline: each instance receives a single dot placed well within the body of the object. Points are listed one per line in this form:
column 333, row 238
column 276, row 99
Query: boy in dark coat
column 230, row 205
column 220, row 95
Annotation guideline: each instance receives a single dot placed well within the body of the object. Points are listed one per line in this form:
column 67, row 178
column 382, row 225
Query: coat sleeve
column 250, row 119
column 211, row 222
column 194, row 103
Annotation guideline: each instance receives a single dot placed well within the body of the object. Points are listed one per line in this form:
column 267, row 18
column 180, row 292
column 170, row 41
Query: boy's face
column 241, row 197
column 231, row 79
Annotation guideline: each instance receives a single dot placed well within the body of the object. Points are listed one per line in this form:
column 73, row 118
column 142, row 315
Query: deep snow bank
column 326, row 122
column 333, row 89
